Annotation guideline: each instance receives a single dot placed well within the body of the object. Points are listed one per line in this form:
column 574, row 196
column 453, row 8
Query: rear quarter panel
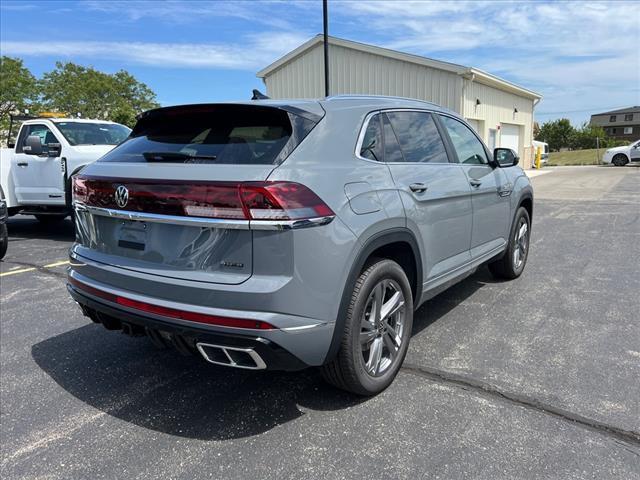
column 326, row 163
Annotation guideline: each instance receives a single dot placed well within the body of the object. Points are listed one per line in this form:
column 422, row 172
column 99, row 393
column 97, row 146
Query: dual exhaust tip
column 237, row 357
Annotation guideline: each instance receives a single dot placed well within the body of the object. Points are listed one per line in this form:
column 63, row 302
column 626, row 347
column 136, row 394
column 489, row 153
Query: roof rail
column 361, row 96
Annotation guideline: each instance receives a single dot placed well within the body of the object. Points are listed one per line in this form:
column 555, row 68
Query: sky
column 583, row 57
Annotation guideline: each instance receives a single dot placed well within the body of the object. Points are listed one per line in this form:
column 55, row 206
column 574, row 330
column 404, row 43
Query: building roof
column 635, row 109
column 467, row 72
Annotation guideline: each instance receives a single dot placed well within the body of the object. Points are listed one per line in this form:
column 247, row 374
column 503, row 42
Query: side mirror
column 54, row 149
column 11, row 145
column 505, row 157
column 32, row 146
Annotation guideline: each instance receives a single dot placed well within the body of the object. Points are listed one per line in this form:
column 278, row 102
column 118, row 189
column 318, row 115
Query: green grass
column 575, row 157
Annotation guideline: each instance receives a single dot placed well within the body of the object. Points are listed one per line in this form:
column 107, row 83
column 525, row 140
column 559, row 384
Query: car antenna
column 258, row 95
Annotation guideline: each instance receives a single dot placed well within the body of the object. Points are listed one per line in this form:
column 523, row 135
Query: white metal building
column 500, row 111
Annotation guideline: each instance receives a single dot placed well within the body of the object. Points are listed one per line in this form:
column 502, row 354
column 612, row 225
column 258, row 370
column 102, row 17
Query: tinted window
column 392, row 151
column 218, row 134
column 372, row 142
column 418, row 137
column 42, row 131
column 80, row 133
column 469, row 149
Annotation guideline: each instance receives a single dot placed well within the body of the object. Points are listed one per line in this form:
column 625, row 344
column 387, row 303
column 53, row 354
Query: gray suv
column 293, row 233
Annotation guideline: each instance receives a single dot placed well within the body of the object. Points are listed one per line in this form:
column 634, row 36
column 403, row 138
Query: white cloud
column 579, row 55
column 185, row 12
column 253, row 53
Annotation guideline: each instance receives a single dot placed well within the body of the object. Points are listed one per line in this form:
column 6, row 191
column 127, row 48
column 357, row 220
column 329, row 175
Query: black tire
column 508, row 267
column 50, row 219
column 4, row 240
column 620, row 160
column 348, row 370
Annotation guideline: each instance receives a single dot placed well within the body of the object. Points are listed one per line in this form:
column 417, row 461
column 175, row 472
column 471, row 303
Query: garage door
column 510, row 136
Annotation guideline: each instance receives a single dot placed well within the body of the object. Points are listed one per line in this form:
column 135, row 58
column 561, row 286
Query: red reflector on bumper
column 172, row 312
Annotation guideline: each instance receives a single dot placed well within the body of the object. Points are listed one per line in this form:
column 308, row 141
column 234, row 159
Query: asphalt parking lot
column 535, row 378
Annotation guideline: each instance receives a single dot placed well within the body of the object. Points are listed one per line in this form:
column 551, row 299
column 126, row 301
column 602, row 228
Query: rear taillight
column 256, row 201
column 281, row 201
column 172, row 312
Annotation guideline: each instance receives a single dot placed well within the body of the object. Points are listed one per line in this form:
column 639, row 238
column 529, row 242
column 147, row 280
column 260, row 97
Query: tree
column 18, row 89
column 585, row 137
column 557, row 133
column 76, row 90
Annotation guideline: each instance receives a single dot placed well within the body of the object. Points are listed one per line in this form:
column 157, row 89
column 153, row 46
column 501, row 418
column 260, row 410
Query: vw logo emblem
column 122, row 196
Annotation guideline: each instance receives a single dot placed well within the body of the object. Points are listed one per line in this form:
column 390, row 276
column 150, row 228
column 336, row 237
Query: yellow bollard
column 538, row 157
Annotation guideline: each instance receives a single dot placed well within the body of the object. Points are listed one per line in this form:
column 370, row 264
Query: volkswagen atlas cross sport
column 287, row 234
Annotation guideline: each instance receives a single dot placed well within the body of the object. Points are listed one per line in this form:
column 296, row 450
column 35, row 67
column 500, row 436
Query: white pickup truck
column 35, row 172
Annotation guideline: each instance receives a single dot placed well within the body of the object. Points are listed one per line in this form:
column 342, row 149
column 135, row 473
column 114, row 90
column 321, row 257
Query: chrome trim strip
column 302, row 327
column 170, row 219
column 290, row 224
column 260, row 365
column 206, row 222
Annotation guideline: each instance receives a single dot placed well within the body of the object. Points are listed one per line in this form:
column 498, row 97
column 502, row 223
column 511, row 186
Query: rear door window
column 418, row 136
column 213, row 134
column 392, row 150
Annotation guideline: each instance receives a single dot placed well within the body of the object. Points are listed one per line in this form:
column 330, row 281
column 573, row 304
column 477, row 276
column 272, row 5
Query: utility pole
column 325, row 25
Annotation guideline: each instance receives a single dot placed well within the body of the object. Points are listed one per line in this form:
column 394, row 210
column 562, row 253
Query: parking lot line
column 57, row 264
column 31, row 269
column 13, row 272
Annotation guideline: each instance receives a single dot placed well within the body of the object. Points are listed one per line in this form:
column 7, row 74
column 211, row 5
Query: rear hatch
column 178, row 197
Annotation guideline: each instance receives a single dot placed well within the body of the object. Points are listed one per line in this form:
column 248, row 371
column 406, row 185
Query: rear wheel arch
column 397, row 244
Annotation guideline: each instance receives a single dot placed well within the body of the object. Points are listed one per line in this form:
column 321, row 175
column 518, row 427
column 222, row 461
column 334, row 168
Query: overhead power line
column 580, row 111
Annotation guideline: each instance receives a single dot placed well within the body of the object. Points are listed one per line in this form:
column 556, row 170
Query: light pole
column 325, row 26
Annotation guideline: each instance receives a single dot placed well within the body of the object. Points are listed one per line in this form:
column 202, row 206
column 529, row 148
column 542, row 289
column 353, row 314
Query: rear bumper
column 274, row 355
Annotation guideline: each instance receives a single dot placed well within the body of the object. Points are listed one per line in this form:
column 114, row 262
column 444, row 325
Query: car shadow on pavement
column 129, row 379
column 22, row 227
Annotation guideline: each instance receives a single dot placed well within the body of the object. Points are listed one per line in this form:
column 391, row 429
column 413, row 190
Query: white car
column 620, row 156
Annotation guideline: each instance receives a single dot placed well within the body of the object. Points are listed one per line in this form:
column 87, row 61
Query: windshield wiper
column 175, row 156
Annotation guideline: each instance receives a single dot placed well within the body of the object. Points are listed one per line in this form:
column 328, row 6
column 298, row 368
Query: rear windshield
column 80, row 133
column 213, row 134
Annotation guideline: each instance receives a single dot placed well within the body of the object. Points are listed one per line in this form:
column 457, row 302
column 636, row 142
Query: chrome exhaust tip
column 236, row 357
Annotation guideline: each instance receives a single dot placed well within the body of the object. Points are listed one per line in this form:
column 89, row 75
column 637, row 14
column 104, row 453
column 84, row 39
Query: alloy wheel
column 521, row 246
column 382, row 327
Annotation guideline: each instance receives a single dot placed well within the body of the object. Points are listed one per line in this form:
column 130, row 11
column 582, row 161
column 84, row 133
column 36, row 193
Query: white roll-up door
column 510, row 136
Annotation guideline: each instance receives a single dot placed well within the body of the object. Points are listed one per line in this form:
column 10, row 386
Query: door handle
column 475, row 183
column 418, row 187
column 22, row 164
